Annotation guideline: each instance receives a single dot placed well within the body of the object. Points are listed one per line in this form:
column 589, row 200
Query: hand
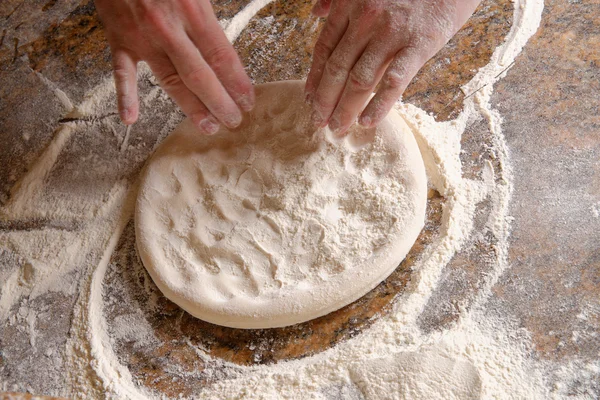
column 184, row 45
column 364, row 42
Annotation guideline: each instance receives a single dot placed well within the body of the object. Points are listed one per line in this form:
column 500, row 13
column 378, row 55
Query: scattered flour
column 596, row 210
column 479, row 356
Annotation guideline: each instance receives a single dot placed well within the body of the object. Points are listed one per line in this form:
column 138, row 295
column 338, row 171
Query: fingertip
column 337, row 129
column 308, row 97
column 128, row 116
column 365, row 121
column 233, row 120
column 208, row 125
column 317, row 120
column 321, row 8
column 247, row 101
column 340, row 132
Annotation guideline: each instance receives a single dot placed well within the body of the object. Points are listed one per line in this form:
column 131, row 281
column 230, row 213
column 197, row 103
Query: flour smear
column 478, row 357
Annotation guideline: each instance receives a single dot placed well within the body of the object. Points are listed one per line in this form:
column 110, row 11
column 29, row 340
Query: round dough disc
column 276, row 223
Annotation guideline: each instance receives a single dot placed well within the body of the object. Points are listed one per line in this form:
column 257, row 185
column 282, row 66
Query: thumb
column 321, row 8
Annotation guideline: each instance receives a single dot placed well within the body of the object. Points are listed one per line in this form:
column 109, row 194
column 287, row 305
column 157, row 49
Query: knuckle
column 196, row 75
column 370, row 9
column 152, row 15
column 322, row 49
column 170, row 81
column 361, row 80
column 394, row 80
column 153, row 20
column 220, row 56
column 336, row 68
column 188, row 6
column 323, row 104
column 120, row 73
column 331, row 29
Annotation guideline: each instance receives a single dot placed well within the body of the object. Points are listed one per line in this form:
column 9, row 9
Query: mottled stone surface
column 549, row 101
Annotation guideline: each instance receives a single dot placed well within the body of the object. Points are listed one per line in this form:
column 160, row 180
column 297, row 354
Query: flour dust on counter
column 77, row 252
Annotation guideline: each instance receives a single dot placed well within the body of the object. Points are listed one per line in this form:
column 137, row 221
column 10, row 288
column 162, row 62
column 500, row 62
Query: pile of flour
column 482, row 355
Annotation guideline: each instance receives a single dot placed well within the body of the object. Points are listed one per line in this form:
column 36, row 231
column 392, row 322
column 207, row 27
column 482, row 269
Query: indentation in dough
column 276, row 107
column 272, row 224
column 212, row 205
column 253, row 288
column 175, row 183
column 315, row 230
column 359, row 137
column 289, row 146
column 200, row 177
column 198, row 253
column 288, row 123
column 273, row 266
column 307, row 249
column 212, row 173
column 183, row 272
column 272, row 202
column 328, row 268
column 250, row 183
column 167, row 185
column 229, row 152
column 248, row 205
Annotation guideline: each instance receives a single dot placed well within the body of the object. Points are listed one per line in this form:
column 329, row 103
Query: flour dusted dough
column 275, row 223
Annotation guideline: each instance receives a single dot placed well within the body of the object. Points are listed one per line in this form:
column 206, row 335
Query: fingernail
column 334, row 124
column 209, row 126
column 365, row 121
column 125, row 116
column 233, row 120
column 246, row 102
column 317, row 120
column 308, row 98
column 338, row 131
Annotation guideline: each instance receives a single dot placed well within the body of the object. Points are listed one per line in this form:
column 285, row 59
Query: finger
column 321, row 8
column 179, row 92
column 125, row 75
column 401, row 71
column 361, row 82
column 336, row 71
column 208, row 36
column 332, row 32
column 197, row 75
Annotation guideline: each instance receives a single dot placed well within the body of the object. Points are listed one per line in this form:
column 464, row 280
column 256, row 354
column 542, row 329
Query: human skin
column 188, row 52
column 363, row 43
column 370, row 42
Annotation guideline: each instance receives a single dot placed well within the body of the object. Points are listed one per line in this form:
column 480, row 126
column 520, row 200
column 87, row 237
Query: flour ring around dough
column 276, row 223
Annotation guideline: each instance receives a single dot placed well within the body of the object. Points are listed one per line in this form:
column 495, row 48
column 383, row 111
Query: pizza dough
column 275, row 223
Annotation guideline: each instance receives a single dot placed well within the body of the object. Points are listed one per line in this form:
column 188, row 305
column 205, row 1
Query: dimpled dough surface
column 275, row 223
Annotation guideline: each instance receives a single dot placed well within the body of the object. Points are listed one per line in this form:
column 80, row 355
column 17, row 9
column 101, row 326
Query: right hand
column 184, row 45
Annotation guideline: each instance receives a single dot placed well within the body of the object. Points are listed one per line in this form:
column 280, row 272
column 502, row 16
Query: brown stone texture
column 550, row 101
column 550, row 105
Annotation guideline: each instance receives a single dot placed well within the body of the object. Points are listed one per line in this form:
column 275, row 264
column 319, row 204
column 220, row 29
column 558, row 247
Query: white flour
column 480, row 356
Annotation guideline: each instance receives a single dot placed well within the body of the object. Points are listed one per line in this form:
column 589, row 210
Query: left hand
column 364, row 42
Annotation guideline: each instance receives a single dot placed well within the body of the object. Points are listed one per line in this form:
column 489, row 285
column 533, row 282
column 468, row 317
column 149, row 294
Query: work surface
column 550, row 105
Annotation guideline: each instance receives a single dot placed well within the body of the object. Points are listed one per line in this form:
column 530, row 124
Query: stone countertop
column 549, row 101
